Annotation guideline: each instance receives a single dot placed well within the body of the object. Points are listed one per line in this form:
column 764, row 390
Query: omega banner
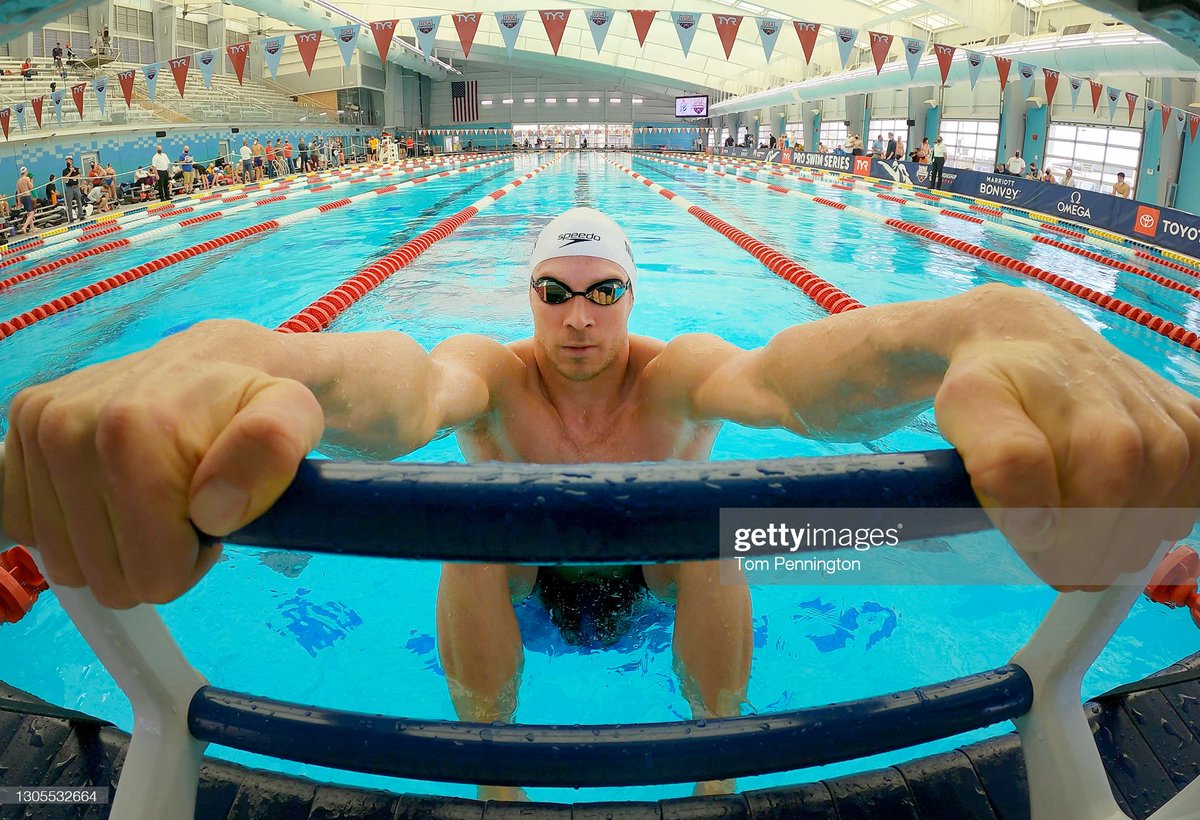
column 1167, row 227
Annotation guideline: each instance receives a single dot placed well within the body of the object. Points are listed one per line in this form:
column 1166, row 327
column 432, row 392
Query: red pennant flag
column 1131, row 98
column 179, row 68
column 880, row 44
column 1166, row 115
column 808, row 37
column 944, row 54
column 1051, row 84
column 1097, row 90
column 237, row 55
column 77, row 96
column 727, row 28
column 307, row 42
column 466, row 23
column 641, row 23
column 383, row 31
column 1194, row 125
column 4, row 114
column 37, row 109
column 555, row 22
column 1003, row 64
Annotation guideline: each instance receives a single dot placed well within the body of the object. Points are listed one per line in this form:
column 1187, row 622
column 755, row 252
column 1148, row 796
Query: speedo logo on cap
column 573, row 238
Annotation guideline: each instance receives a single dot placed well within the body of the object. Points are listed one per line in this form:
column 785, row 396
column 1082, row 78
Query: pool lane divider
column 1092, row 255
column 37, row 314
column 154, row 233
column 827, row 296
column 1163, row 327
column 322, row 313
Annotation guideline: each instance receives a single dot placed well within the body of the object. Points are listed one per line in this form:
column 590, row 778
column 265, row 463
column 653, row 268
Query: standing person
column 287, row 155
column 51, row 192
column 1121, row 187
column 410, row 145
column 161, row 163
column 923, row 152
column 301, row 156
column 257, row 152
column 899, row 150
column 110, row 179
column 187, row 164
column 1015, row 165
column 106, row 41
column 57, row 54
column 25, row 197
column 889, row 153
column 877, row 147
column 96, row 174
column 939, row 162
column 71, row 192
column 247, row 162
column 270, row 158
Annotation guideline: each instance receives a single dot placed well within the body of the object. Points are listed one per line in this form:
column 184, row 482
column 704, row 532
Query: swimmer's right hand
column 107, row 469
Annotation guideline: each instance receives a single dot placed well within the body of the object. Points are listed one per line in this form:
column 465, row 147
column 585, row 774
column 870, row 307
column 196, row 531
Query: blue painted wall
column 933, row 121
column 1034, row 149
column 1188, row 197
column 1147, row 181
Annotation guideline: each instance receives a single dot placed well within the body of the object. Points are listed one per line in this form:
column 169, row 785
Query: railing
column 647, row 513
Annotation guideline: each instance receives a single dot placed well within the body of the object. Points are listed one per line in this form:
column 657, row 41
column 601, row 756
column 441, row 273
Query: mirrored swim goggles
column 554, row 292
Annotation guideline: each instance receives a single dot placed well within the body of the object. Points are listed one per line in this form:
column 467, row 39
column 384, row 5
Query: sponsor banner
column 510, row 25
column 686, row 23
column 768, row 33
column 207, row 61
column 598, row 22
column 862, row 166
column 346, row 38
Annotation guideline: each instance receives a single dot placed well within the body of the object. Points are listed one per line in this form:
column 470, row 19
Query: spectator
column 1121, row 187
column 1033, row 172
column 247, row 162
column 141, row 184
column 877, row 146
column 25, row 197
column 71, row 193
column 301, row 156
column 899, row 148
column 287, row 156
column 27, row 69
column 187, row 164
column 270, row 152
column 258, row 152
column 410, row 144
column 110, row 179
column 1001, row 168
column 1047, row 176
column 1016, row 165
column 57, row 54
column 774, row 142
column 51, row 192
column 821, row 149
column 728, row 142
column 98, row 199
column 6, row 223
column 939, row 162
column 106, row 41
column 924, row 151
column 889, row 153
column 1068, row 178
column 162, row 166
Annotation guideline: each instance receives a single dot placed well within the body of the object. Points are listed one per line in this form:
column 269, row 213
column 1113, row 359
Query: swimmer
column 109, row 467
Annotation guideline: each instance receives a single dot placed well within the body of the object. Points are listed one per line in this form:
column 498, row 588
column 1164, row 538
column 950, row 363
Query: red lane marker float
column 983, row 209
column 839, row 205
column 839, row 186
column 174, row 211
column 320, row 188
column 193, row 220
column 58, row 263
column 1122, row 266
column 12, row 261
column 959, row 215
column 1064, row 231
column 271, row 199
column 52, row 307
column 890, row 198
column 322, row 313
column 1159, row 325
column 1167, row 263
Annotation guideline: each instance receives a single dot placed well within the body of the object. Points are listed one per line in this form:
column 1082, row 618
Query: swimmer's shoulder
column 480, row 355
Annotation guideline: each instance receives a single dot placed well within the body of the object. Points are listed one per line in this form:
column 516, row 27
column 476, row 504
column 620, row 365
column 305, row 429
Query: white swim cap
column 584, row 232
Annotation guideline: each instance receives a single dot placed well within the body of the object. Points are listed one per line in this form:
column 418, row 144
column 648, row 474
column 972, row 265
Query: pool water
column 358, row 634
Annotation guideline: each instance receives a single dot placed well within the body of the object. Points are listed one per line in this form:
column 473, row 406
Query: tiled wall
column 129, row 148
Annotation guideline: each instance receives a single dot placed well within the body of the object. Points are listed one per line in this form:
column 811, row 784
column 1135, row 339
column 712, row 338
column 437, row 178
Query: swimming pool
column 813, row 644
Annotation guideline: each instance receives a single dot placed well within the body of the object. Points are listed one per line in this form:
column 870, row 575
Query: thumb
column 255, row 457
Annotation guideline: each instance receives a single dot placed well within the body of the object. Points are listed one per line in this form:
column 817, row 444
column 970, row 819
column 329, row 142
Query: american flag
column 464, row 101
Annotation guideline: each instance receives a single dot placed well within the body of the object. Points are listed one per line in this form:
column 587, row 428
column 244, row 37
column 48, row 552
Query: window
column 1095, row 154
column 970, row 143
column 795, row 134
column 764, row 135
column 71, row 31
column 724, row 134
column 192, row 33
column 134, row 22
column 885, row 127
column 833, row 134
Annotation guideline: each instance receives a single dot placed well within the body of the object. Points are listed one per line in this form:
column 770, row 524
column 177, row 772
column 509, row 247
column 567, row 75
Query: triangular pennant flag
column 1180, row 119
column 383, row 31
column 1194, row 125
column 206, row 61
column 179, row 70
column 727, row 29
column 1051, row 84
column 1097, row 93
column 346, row 38
column 77, row 96
column 1166, row 116
column 237, row 57
column 913, row 50
column 19, row 112
column 1003, row 66
column 57, row 97
column 845, row 42
column 974, row 66
column 768, row 33
column 686, row 23
column 1076, row 85
column 306, row 43
column 151, row 72
column 273, row 52
column 1025, row 72
column 598, row 21
column 100, row 86
column 466, row 23
column 1150, row 106
column 555, row 23
column 944, row 54
column 125, row 78
column 881, row 43
column 426, row 30
column 807, row 32
column 510, row 26
column 36, row 102
column 4, row 112
column 1131, row 98
column 642, row 18
column 1113, row 95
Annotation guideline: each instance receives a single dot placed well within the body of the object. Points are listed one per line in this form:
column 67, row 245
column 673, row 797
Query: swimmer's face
column 578, row 338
